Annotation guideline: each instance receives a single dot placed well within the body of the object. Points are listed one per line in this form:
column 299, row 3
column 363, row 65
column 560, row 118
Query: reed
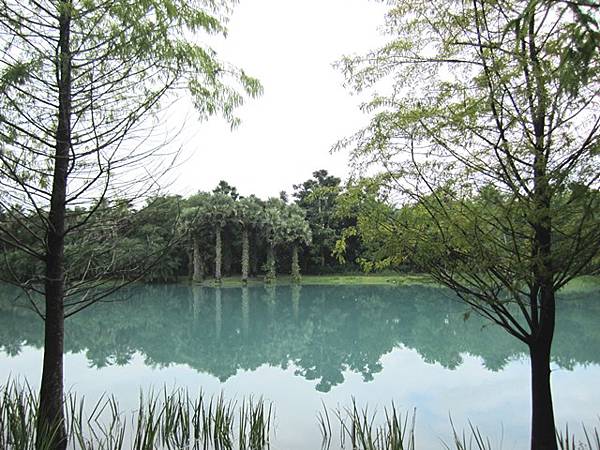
column 174, row 420
column 359, row 429
column 164, row 421
column 590, row 441
column 470, row 440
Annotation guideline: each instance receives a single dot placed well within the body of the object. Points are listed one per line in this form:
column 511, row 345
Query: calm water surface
column 300, row 346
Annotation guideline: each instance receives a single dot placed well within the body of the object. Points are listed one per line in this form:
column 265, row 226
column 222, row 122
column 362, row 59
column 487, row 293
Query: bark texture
column 543, row 435
column 245, row 255
column 198, row 274
column 296, row 278
column 51, row 412
column 271, row 274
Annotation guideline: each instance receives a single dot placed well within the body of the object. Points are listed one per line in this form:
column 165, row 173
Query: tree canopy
column 486, row 137
column 80, row 85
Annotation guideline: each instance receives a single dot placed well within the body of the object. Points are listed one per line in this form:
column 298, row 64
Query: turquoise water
column 300, row 347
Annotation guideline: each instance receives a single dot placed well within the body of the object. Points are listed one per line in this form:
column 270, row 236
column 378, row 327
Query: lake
column 301, row 347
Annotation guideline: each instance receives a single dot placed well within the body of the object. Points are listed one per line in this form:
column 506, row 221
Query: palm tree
column 249, row 212
column 272, row 227
column 296, row 232
column 195, row 218
column 220, row 210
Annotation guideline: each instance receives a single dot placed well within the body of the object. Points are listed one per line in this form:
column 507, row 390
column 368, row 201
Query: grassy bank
column 586, row 283
column 329, row 280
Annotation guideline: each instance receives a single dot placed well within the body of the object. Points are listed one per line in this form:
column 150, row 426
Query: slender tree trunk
column 51, row 412
column 197, row 262
column 543, row 305
column 245, row 255
column 271, row 274
column 543, row 312
column 218, row 255
column 543, row 428
column 296, row 278
column 543, row 435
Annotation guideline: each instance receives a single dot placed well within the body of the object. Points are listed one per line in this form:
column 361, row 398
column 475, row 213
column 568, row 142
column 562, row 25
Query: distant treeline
column 207, row 235
column 321, row 228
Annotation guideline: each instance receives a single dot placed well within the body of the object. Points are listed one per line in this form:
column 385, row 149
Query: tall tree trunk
column 296, row 278
column 543, row 307
column 245, row 255
column 543, row 429
column 218, row 255
column 51, row 412
column 197, row 262
column 543, row 313
column 271, row 274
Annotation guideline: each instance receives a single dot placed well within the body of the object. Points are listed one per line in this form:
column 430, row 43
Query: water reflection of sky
column 495, row 400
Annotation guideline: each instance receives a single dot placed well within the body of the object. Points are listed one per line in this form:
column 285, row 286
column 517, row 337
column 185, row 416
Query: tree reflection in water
column 322, row 331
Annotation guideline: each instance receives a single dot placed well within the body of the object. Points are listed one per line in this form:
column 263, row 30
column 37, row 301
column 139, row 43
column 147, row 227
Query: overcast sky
column 287, row 133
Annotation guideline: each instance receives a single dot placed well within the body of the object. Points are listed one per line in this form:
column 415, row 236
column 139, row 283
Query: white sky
column 286, row 134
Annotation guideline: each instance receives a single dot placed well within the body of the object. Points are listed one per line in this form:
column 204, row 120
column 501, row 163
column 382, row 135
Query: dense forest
column 323, row 227
column 206, row 235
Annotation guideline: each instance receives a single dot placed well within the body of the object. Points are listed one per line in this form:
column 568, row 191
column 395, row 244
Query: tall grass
column 162, row 421
column 591, row 441
column 361, row 429
column 174, row 420
column 470, row 440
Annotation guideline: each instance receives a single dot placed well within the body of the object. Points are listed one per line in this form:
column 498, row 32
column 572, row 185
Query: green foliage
column 318, row 197
column 225, row 188
column 375, row 224
column 295, row 228
column 164, row 420
column 249, row 213
column 118, row 64
column 486, row 141
column 490, row 143
column 358, row 426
